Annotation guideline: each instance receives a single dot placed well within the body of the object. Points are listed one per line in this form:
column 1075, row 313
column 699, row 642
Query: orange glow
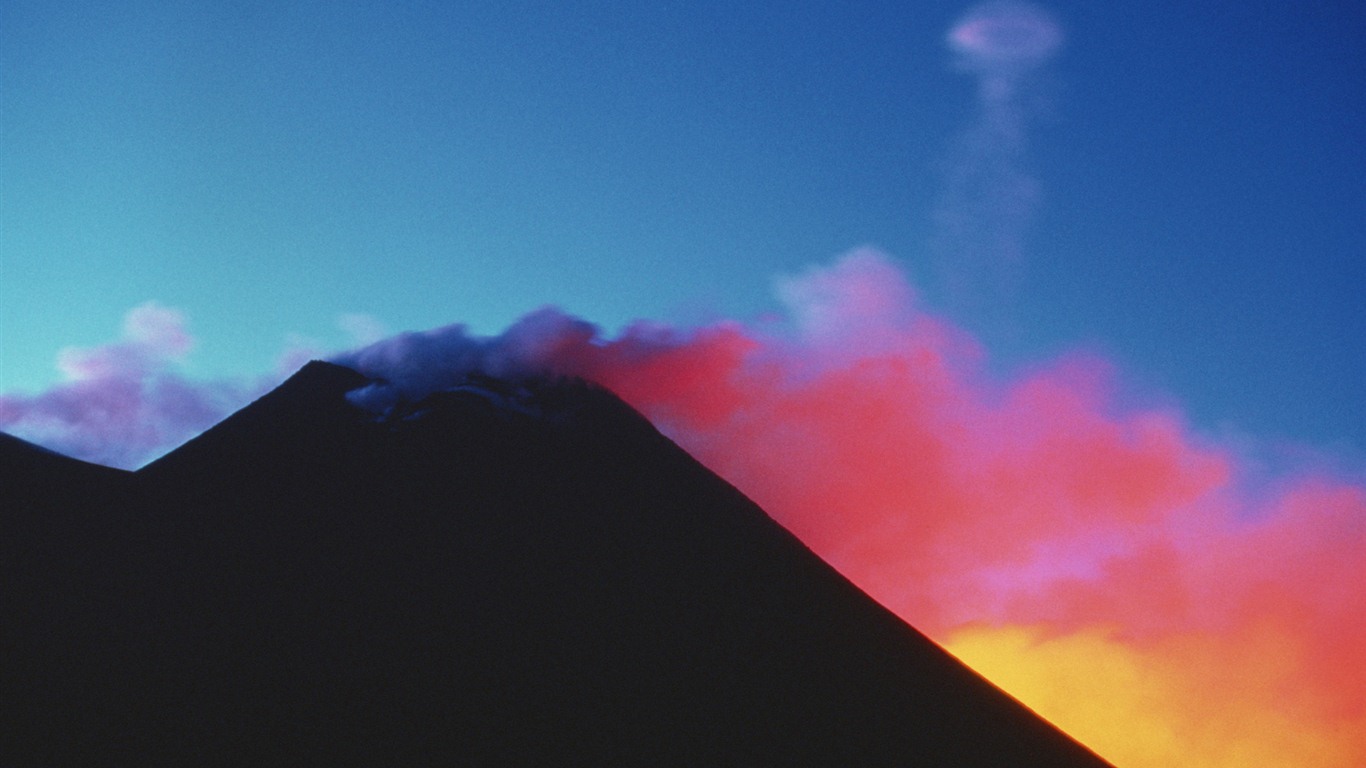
column 1192, row 700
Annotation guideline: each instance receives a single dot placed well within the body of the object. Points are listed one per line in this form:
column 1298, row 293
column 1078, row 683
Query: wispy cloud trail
column 989, row 197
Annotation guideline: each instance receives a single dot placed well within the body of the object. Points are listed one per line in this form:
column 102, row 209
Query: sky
column 1197, row 206
column 1002, row 239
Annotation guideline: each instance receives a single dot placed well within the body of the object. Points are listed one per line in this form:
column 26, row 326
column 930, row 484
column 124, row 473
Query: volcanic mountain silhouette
column 502, row 574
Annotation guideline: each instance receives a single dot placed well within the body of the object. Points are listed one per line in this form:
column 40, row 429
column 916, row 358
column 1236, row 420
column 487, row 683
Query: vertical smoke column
column 989, row 198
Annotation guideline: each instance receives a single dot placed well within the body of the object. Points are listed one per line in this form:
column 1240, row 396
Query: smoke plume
column 1108, row 566
column 1130, row 580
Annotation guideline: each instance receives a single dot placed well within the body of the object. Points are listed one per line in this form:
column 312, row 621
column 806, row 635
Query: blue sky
column 1199, row 218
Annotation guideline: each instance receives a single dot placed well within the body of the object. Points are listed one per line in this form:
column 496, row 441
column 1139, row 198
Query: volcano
column 504, row 573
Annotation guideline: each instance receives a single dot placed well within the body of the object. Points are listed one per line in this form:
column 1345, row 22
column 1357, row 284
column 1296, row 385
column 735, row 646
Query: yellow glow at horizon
column 1179, row 703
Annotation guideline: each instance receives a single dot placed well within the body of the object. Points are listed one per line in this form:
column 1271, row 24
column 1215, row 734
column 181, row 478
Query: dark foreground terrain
column 497, row 575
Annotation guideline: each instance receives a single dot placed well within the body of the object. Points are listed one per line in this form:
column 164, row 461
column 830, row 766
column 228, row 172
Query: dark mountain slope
column 501, row 575
column 36, row 472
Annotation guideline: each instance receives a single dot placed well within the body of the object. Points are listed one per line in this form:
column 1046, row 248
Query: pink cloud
column 124, row 403
column 1033, row 507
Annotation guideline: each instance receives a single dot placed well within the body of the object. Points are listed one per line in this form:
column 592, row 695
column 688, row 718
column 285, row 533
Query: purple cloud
column 124, row 403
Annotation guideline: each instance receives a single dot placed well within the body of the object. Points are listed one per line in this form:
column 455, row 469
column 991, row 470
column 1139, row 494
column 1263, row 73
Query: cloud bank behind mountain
column 1151, row 591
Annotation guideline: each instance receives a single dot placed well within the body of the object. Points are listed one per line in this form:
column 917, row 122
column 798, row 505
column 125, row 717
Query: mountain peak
column 320, row 375
column 310, row 405
column 501, row 572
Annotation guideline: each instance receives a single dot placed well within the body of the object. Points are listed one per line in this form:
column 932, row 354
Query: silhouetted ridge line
column 507, row 572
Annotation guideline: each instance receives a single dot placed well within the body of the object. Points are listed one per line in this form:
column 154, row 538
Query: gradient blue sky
column 267, row 167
